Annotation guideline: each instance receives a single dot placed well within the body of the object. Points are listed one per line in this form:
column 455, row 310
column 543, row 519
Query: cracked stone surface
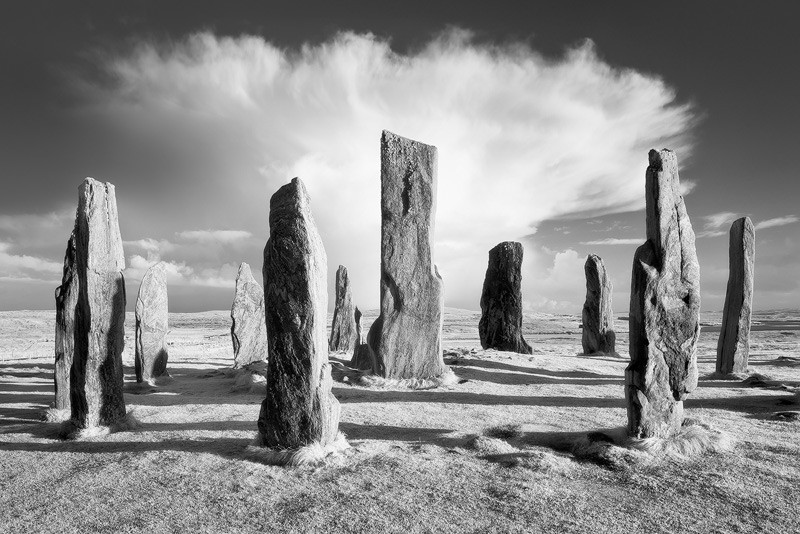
column 152, row 324
column 598, row 319
column 343, row 328
column 248, row 330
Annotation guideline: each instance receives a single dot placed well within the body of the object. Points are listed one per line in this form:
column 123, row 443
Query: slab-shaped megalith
column 406, row 338
column 248, row 330
column 66, row 300
column 299, row 408
column 664, row 309
column 343, row 328
column 152, row 325
column 500, row 326
column 362, row 357
column 733, row 347
column 598, row 319
column 96, row 379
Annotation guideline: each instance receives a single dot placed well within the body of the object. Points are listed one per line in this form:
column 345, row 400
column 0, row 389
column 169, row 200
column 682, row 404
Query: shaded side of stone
column 152, row 324
column 405, row 339
column 733, row 347
column 66, row 301
column 248, row 330
column 96, row 378
column 362, row 357
column 597, row 317
column 299, row 408
column 664, row 310
column 343, row 328
column 500, row 326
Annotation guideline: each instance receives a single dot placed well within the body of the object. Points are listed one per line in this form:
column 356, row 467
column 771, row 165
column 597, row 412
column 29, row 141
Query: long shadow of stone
column 23, row 370
column 435, row 436
column 492, row 364
column 530, row 377
column 748, row 404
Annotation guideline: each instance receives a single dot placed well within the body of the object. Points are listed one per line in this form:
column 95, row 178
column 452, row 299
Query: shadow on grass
column 533, row 376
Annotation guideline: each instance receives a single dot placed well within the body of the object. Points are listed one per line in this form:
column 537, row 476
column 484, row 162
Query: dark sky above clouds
column 543, row 115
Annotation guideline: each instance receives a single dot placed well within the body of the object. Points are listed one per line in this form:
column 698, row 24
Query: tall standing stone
column 66, row 300
column 152, row 325
column 362, row 357
column 406, row 338
column 248, row 330
column 734, row 337
column 299, row 408
column 664, row 310
column 500, row 326
column 598, row 319
column 96, row 379
column 343, row 328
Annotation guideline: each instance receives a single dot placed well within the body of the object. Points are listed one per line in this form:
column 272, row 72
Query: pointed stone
column 598, row 319
column 362, row 357
column 343, row 329
column 248, row 330
column 299, row 408
column 734, row 337
column 500, row 326
column 152, row 325
column 406, row 339
column 664, row 309
column 96, row 378
column 66, row 300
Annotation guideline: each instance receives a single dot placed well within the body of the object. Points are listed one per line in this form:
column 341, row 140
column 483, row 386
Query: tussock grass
column 448, row 378
column 504, row 431
column 71, row 431
column 308, row 455
column 53, row 415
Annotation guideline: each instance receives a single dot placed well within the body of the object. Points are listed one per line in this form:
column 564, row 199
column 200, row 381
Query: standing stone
column 500, row 326
column 598, row 319
column 152, row 324
column 299, row 408
column 66, row 300
column 248, row 331
column 96, row 378
column 406, row 338
column 734, row 337
column 664, row 311
column 343, row 329
column 362, row 356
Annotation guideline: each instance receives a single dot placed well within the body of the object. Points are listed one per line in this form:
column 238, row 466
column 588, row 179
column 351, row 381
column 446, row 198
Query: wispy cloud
column 777, row 221
column 23, row 267
column 179, row 273
column 716, row 224
column 221, row 236
column 615, row 241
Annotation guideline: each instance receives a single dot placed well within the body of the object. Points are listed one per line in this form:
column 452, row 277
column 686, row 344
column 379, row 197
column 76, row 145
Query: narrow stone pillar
column 664, row 310
column 66, row 300
column 343, row 328
column 734, row 338
column 362, row 357
column 598, row 319
column 500, row 326
column 248, row 330
column 152, row 325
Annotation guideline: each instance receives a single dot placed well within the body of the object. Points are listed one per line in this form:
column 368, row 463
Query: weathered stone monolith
column 152, row 325
column 362, row 356
column 299, row 409
column 500, row 326
column 248, row 331
column 343, row 328
column 734, row 337
column 96, row 378
column 66, row 300
column 598, row 319
column 406, row 338
column 664, row 310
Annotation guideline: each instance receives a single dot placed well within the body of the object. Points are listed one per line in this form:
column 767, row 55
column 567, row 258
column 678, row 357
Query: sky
column 542, row 116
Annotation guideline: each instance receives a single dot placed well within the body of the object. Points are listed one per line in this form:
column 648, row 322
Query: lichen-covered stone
column 733, row 347
column 406, row 338
column 598, row 319
column 152, row 325
column 96, row 379
column 299, row 408
column 362, row 357
column 248, row 330
column 664, row 310
column 343, row 328
column 500, row 326
column 66, row 300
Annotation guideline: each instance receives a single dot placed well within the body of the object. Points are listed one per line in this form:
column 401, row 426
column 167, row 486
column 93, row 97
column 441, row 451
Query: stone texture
column 500, row 326
column 664, row 309
column 152, row 325
column 734, row 337
column 299, row 408
column 598, row 319
column 406, row 337
column 248, row 330
column 96, row 377
column 362, row 357
column 66, row 300
column 343, row 328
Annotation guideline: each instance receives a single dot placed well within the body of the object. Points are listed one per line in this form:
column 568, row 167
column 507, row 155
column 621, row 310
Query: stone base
column 54, row 415
column 71, row 431
column 311, row 454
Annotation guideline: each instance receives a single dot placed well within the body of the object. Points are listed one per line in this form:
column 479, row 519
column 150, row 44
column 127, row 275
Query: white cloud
column 560, row 288
column 522, row 138
column 150, row 245
column 179, row 273
column 615, row 241
column 222, row 236
column 777, row 221
column 23, row 267
column 714, row 224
